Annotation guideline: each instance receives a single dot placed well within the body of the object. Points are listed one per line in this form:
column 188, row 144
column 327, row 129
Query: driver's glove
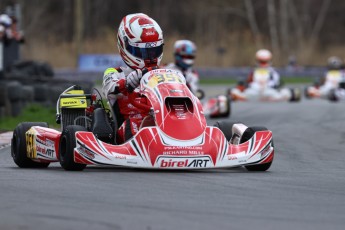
column 133, row 79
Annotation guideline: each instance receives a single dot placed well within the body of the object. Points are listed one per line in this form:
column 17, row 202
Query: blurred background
column 55, row 38
column 227, row 32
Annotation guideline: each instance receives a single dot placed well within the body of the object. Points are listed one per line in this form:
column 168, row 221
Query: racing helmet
column 184, row 52
column 140, row 41
column 263, row 57
column 334, row 63
column 5, row 20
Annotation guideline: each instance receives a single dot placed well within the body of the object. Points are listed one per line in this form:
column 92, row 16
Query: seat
column 101, row 126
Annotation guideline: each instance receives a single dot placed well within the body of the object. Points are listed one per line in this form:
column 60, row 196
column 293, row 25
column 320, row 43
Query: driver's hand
column 133, row 79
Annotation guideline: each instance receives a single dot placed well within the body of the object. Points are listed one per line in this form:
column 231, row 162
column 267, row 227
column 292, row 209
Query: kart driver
column 262, row 82
column 331, row 81
column 264, row 73
column 140, row 43
column 184, row 54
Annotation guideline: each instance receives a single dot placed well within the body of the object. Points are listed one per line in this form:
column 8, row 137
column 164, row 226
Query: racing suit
column 263, row 84
column 129, row 118
column 192, row 77
column 332, row 80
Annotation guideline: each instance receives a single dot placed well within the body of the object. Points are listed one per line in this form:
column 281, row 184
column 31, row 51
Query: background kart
column 217, row 107
column 174, row 136
column 260, row 92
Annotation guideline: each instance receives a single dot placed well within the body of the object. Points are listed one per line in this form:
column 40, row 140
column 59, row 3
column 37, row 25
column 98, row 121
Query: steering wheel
column 132, row 95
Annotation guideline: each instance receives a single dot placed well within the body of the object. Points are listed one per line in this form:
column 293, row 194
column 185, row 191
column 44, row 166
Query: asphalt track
column 304, row 188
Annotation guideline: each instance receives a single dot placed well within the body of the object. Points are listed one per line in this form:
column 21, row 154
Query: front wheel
column 245, row 137
column 18, row 146
column 66, row 149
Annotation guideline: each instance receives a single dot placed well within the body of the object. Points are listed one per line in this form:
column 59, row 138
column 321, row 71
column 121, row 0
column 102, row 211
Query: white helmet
column 184, row 51
column 263, row 56
column 140, row 41
column 334, row 63
column 5, row 20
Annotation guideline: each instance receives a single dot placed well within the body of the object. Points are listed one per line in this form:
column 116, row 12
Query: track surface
column 304, row 188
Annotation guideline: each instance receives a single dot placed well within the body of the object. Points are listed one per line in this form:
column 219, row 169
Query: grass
column 33, row 112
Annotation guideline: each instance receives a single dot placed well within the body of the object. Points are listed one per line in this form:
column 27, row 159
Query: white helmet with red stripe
column 263, row 56
column 140, row 41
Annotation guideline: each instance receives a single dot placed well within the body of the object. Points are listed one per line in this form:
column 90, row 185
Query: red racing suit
column 128, row 117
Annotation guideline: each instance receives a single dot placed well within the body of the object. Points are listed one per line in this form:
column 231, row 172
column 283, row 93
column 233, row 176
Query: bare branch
column 252, row 22
column 273, row 26
column 320, row 18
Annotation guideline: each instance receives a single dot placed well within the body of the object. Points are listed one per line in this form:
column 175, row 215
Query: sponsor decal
column 41, row 149
column 150, row 33
column 150, row 44
column 45, row 151
column 70, row 102
column 232, row 158
column 182, row 147
column 266, row 150
column 118, row 156
column 135, row 127
column 86, row 153
column 46, row 142
column 50, row 153
column 49, row 143
column 183, row 150
column 184, row 162
column 40, row 141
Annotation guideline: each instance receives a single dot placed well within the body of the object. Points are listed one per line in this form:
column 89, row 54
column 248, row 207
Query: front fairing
column 178, row 113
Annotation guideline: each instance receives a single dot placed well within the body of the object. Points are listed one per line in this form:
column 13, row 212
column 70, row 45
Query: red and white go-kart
column 175, row 134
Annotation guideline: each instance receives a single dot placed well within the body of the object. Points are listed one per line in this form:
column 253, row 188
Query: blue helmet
column 184, row 51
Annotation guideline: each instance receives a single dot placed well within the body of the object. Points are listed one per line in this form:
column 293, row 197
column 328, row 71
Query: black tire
column 3, row 94
column 332, row 96
column 41, row 92
column 16, row 108
column 200, row 94
column 226, row 128
column 28, row 93
column 296, row 95
column 67, row 145
column 245, row 137
column 14, row 91
column 306, row 94
column 18, row 146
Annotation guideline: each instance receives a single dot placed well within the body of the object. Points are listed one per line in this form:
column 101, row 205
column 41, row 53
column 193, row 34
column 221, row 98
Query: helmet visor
column 145, row 53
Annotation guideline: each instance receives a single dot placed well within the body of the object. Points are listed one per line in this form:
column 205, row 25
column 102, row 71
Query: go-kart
column 217, row 107
column 174, row 136
column 260, row 91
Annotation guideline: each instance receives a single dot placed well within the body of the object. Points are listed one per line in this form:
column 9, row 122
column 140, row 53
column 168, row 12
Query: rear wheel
column 200, row 94
column 18, row 146
column 245, row 137
column 295, row 95
column 66, row 149
column 224, row 107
